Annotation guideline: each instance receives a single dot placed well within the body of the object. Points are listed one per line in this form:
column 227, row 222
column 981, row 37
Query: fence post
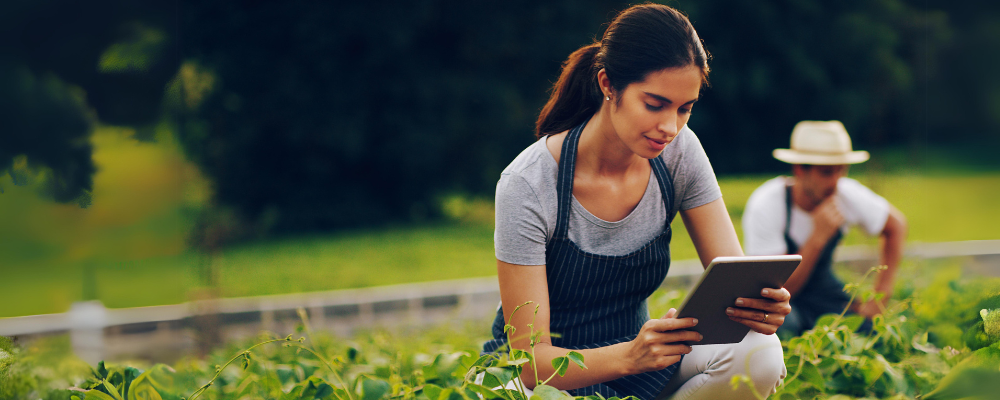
column 87, row 320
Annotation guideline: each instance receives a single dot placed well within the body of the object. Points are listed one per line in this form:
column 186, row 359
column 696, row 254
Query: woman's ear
column 605, row 84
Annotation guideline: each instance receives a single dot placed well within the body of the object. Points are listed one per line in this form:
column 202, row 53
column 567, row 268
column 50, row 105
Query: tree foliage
column 776, row 63
column 65, row 63
column 315, row 115
column 329, row 115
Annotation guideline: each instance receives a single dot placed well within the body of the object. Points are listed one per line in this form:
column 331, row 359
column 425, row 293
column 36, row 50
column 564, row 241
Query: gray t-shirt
column 526, row 204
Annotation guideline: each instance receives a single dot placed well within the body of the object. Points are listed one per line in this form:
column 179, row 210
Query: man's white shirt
column 764, row 217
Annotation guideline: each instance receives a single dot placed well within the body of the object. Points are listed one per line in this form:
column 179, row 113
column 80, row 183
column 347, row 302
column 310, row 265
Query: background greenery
column 932, row 343
column 271, row 148
column 152, row 148
column 314, row 115
column 130, row 245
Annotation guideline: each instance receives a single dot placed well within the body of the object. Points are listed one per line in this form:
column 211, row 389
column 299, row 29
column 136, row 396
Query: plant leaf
column 102, row 371
column 484, row 391
column 482, row 361
column 491, row 381
column 518, row 361
column 323, row 390
column 518, row 354
column 853, row 322
column 113, row 391
column 503, row 375
column 374, row 389
column 513, row 394
column 812, row 375
column 560, row 364
column 97, row 395
column 546, row 392
column 576, row 358
column 142, row 389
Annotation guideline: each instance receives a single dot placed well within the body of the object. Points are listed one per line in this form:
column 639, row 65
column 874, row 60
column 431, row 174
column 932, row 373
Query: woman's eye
column 684, row 110
column 651, row 107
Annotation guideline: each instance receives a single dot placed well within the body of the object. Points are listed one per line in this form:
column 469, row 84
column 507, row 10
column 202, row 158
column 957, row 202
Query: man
column 808, row 214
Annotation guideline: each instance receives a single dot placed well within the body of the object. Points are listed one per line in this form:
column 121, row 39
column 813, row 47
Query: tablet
column 725, row 279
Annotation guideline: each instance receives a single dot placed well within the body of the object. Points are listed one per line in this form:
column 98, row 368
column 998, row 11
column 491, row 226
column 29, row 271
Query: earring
column 607, row 98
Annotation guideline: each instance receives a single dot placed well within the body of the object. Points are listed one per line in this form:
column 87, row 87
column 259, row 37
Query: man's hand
column 869, row 309
column 826, row 219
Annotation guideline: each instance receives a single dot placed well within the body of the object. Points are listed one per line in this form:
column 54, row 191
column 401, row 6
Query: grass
column 133, row 237
column 938, row 208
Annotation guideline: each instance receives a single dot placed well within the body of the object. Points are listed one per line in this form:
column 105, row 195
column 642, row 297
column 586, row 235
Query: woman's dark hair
column 640, row 40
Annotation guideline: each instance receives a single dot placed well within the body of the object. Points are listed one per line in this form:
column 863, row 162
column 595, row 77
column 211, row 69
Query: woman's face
column 650, row 113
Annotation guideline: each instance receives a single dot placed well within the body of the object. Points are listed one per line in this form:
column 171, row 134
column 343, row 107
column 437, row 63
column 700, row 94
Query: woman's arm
column 712, row 231
column 652, row 349
column 713, row 235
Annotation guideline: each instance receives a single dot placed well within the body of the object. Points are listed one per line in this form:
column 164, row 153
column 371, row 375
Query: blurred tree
column 314, row 115
column 47, row 127
column 963, row 100
column 323, row 114
column 63, row 64
column 779, row 62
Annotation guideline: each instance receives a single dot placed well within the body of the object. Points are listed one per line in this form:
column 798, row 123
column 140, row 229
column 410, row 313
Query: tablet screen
column 726, row 279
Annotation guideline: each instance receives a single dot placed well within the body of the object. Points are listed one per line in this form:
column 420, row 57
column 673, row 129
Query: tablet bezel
column 726, row 279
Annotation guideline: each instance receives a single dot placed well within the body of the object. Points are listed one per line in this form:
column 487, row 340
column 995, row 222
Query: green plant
column 895, row 359
column 916, row 349
column 502, row 367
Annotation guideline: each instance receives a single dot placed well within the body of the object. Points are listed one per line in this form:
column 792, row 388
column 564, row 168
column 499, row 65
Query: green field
column 132, row 240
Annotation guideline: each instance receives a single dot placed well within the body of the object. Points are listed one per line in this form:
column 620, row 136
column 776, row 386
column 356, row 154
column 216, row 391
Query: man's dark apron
column 823, row 293
column 597, row 300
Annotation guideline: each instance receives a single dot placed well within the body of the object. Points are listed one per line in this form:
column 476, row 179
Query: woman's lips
column 656, row 144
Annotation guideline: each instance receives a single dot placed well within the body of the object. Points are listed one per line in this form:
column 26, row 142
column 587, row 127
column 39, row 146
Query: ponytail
column 575, row 96
column 644, row 38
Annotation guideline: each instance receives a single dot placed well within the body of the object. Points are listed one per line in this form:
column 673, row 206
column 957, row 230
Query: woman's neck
column 602, row 152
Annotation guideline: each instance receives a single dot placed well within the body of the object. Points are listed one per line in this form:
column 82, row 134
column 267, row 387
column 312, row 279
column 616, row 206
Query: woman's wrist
column 623, row 362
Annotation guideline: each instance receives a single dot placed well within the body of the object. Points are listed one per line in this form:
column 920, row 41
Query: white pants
column 707, row 371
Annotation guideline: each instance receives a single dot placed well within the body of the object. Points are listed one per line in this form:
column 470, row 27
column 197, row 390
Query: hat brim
column 799, row 157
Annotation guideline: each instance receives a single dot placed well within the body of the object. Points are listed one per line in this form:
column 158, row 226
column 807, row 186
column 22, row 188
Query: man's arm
column 893, row 237
column 826, row 221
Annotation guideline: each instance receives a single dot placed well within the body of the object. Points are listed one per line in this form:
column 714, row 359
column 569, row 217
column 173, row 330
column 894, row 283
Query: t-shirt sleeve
column 764, row 224
column 695, row 173
column 866, row 208
column 520, row 234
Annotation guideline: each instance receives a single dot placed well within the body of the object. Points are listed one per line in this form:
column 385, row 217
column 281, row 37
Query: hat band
column 817, row 158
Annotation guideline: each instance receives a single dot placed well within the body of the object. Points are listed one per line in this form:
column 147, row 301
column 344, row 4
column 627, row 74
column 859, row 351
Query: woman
column 583, row 223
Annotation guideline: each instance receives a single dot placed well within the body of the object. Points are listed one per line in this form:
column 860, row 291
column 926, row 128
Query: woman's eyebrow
column 666, row 100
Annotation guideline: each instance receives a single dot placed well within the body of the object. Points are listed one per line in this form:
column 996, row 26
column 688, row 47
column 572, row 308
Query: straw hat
column 820, row 143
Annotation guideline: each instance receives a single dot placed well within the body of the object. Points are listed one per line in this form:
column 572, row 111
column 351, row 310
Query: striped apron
column 822, row 293
column 597, row 300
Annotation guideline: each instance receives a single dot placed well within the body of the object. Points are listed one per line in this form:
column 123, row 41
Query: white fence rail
column 164, row 331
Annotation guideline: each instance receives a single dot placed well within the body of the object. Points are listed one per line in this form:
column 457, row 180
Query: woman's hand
column 660, row 343
column 762, row 315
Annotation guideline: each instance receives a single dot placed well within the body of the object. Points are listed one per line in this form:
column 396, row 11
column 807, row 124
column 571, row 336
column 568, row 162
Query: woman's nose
column 669, row 126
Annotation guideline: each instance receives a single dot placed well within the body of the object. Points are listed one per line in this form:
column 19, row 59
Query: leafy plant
column 502, row 367
column 895, row 358
column 930, row 343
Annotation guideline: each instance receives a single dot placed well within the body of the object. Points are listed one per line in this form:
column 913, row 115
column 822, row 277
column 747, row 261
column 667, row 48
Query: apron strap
column 792, row 248
column 666, row 185
column 564, row 184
